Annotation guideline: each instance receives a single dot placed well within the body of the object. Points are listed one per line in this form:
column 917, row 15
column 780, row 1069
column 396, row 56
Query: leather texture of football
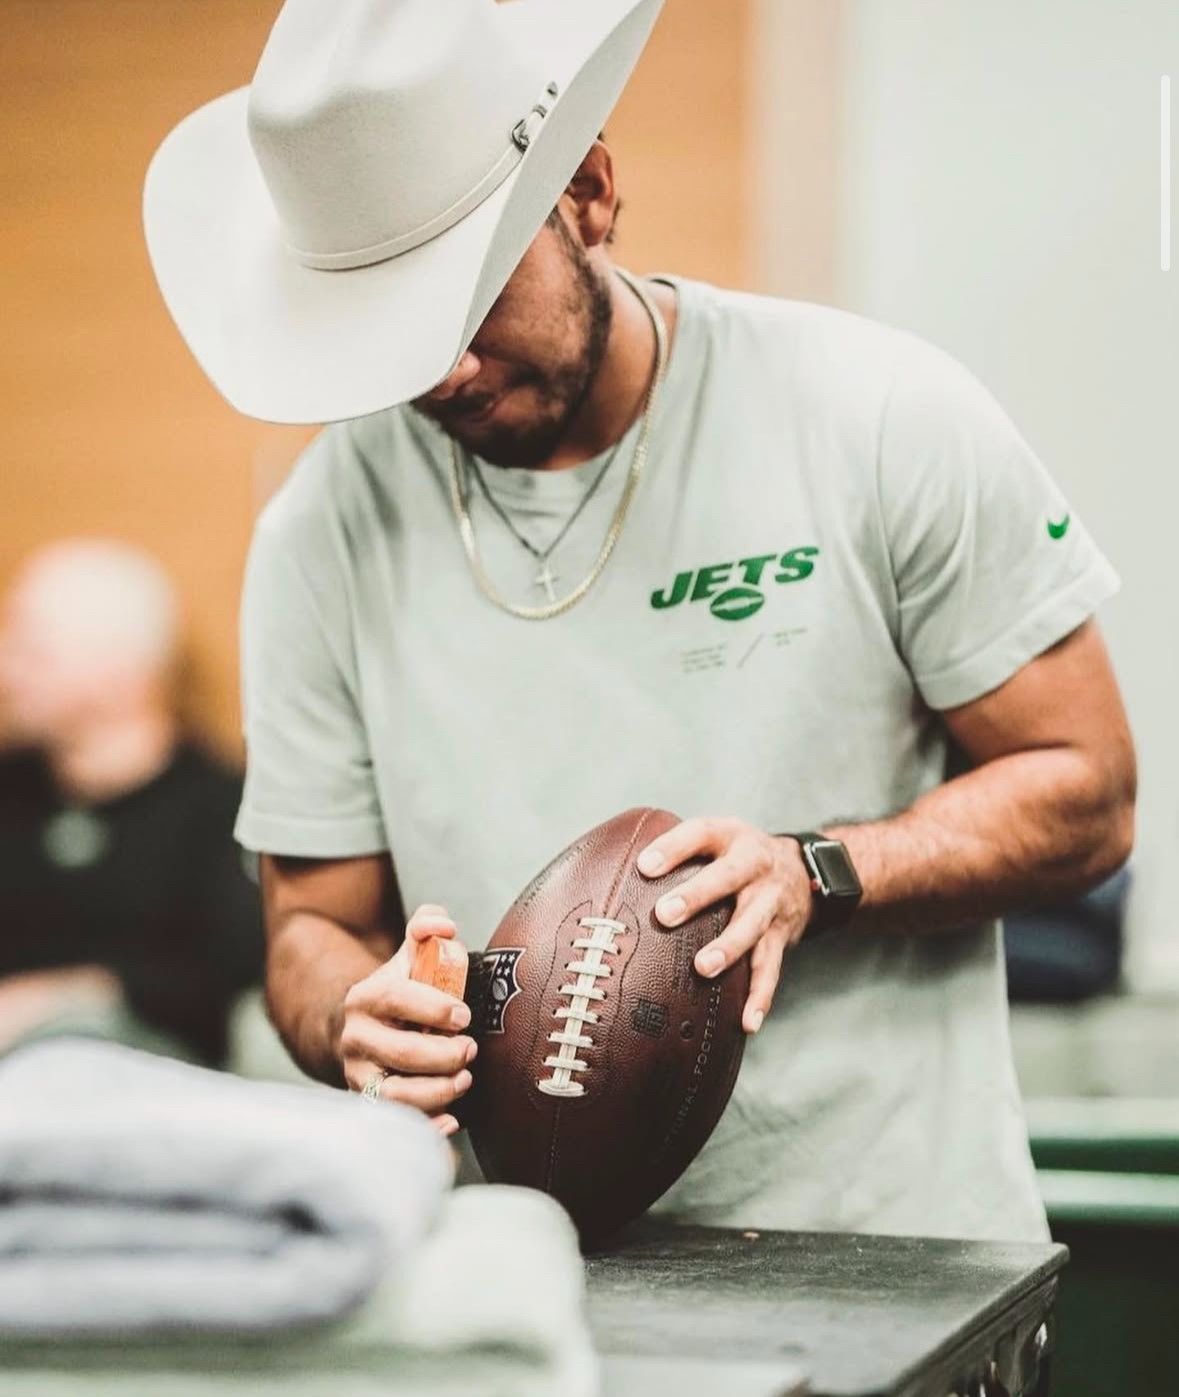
column 605, row 1060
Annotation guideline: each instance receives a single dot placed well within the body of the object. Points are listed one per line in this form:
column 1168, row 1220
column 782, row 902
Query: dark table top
column 861, row 1316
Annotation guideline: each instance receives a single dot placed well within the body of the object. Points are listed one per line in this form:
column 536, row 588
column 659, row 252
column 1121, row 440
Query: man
column 763, row 563
column 124, row 903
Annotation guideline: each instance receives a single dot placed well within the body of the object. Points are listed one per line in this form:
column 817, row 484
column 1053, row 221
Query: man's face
column 538, row 350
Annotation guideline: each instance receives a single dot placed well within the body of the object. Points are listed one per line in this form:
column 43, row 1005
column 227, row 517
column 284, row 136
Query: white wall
column 793, row 116
column 999, row 194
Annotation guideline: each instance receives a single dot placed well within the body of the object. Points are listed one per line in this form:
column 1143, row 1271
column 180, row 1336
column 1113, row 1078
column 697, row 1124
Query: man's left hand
column 766, row 875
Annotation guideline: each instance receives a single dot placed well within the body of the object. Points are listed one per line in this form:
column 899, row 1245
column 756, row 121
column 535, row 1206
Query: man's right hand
column 408, row 1030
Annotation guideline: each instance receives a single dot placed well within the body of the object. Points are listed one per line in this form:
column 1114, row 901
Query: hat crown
column 371, row 119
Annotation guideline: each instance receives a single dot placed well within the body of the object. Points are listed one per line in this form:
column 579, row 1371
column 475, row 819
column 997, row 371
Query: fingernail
column 447, row 1125
column 671, row 910
column 709, row 962
column 460, row 1016
column 463, row 1081
column 651, row 861
column 472, row 1049
column 758, row 1019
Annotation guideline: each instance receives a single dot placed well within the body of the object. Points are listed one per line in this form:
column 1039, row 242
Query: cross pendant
column 545, row 578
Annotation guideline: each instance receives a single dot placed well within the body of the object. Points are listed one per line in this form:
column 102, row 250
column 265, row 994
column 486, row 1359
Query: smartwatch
column 834, row 882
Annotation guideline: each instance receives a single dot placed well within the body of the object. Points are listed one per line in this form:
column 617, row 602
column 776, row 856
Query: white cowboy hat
column 330, row 239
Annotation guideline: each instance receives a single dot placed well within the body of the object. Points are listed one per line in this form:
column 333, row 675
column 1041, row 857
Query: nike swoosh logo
column 1059, row 530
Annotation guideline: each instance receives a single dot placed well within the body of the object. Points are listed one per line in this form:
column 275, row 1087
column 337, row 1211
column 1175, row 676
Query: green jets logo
column 734, row 591
column 1059, row 530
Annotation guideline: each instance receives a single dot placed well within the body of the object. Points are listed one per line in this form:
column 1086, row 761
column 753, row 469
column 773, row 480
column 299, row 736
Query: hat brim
column 286, row 343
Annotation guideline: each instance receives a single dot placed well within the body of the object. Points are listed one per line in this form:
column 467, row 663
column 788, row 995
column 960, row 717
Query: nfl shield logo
column 502, row 986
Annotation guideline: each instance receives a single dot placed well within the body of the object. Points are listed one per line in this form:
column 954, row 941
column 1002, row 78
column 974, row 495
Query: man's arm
column 329, row 923
column 337, row 982
column 1047, row 811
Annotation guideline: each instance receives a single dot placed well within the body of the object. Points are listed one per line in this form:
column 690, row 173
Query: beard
column 558, row 392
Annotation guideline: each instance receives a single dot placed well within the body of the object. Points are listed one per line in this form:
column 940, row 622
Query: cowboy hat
column 329, row 239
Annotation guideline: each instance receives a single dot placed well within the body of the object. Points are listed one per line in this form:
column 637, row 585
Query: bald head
column 88, row 635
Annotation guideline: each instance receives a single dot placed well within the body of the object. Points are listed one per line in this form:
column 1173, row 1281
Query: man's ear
column 593, row 195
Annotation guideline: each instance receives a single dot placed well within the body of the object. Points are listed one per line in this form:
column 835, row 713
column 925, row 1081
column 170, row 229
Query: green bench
column 1109, row 1174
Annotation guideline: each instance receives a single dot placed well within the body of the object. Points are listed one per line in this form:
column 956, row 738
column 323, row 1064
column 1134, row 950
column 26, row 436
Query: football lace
column 577, row 1014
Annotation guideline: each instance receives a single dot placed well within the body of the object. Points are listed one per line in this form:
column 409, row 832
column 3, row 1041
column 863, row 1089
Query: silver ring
column 371, row 1091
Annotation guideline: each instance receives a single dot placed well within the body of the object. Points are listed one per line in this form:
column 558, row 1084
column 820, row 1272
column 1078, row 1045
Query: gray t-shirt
column 838, row 533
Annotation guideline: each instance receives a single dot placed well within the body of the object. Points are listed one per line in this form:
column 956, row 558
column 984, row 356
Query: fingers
column 429, row 1094
column 405, row 1050
column 684, row 841
column 745, row 864
column 427, row 1071
column 747, row 926
column 429, row 920
column 722, row 878
column 433, row 1095
column 388, row 994
column 383, row 1035
column 766, row 962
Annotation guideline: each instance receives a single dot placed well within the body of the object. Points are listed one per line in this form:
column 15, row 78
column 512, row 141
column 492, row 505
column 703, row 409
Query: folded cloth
column 491, row 1303
column 501, row 1270
column 141, row 1196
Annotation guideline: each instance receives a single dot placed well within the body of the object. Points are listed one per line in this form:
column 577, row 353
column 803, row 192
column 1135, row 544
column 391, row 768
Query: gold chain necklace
column 467, row 528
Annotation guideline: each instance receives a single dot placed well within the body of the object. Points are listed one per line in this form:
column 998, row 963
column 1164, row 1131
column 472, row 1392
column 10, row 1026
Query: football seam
column 609, row 909
column 618, row 873
column 554, row 1134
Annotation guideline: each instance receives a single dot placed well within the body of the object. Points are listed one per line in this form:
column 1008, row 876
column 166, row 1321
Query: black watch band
column 834, row 881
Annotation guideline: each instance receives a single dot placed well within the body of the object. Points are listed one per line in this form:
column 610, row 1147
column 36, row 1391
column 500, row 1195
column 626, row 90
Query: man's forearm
column 312, row 963
column 1021, row 829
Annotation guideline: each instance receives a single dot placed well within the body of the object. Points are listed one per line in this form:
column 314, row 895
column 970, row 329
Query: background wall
column 1000, row 195
column 793, row 116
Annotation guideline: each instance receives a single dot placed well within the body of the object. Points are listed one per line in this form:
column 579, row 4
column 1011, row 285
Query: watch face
column 835, row 869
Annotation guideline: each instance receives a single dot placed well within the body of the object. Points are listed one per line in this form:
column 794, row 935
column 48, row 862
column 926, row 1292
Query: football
column 605, row 1060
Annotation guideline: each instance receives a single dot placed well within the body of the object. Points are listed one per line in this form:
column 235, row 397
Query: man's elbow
column 1114, row 832
column 1119, row 840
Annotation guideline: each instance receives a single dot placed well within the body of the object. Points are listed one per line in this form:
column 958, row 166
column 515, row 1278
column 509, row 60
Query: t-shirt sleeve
column 309, row 788
column 991, row 565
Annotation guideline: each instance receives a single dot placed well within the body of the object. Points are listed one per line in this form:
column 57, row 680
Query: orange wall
column 108, row 426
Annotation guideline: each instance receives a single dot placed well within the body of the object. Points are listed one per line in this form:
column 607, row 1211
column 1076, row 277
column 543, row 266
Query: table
column 858, row 1316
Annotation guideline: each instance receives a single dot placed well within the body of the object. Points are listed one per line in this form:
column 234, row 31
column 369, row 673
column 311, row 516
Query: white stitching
column 577, row 1013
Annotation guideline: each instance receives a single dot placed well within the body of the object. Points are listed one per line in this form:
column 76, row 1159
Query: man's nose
column 457, row 379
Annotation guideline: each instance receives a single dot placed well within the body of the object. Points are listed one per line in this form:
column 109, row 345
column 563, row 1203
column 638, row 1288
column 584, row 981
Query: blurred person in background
column 125, row 907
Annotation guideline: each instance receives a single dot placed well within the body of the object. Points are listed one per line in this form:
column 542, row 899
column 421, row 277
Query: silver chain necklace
column 557, row 605
column 545, row 577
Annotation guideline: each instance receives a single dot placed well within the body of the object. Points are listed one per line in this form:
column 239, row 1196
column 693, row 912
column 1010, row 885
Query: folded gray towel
column 143, row 1196
column 490, row 1303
